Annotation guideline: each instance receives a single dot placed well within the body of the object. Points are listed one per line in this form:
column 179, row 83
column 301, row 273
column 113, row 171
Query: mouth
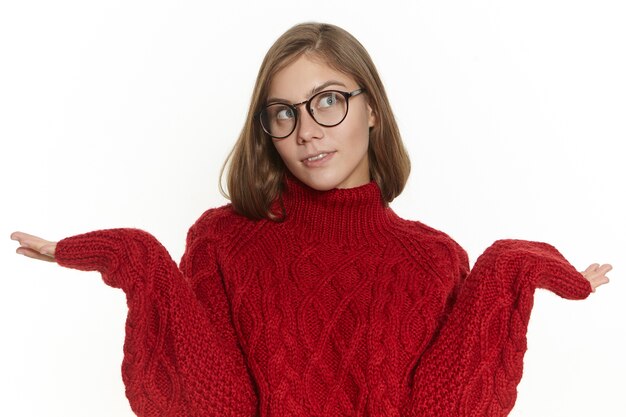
column 317, row 159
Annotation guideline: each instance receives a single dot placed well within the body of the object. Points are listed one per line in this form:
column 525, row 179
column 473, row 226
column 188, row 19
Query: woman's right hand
column 34, row 247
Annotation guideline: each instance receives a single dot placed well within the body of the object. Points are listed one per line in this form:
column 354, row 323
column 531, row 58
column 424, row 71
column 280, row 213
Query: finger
column 20, row 236
column 591, row 268
column 29, row 241
column 30, row 253
column 597, row 279
column 599, row 271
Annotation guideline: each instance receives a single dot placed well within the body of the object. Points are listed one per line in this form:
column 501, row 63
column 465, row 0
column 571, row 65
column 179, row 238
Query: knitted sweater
column 342, row 309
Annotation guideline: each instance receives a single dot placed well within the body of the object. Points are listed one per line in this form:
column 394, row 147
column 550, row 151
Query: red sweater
column 343, row 309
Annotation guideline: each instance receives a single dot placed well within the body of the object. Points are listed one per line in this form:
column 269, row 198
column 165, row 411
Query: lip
column 317, row 162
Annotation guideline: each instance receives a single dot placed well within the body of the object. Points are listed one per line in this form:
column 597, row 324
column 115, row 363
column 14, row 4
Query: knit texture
column 342, row 309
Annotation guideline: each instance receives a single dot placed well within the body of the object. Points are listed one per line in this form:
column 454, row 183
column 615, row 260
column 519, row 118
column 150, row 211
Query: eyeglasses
column 328, row 108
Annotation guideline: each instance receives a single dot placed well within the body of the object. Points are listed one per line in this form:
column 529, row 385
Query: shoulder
column 217, row 222
column 214, row 219
column 435, row 246
column 217, row 228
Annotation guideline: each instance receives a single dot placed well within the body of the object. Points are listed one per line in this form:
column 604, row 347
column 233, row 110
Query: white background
column 120, row 114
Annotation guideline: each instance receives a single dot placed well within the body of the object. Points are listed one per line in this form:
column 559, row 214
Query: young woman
column 308, row 295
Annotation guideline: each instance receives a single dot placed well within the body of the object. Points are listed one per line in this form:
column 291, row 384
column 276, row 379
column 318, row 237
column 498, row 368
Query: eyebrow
column 313, row 91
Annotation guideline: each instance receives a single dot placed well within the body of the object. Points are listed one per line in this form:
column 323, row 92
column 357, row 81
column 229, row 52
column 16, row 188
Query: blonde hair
column 255, row 170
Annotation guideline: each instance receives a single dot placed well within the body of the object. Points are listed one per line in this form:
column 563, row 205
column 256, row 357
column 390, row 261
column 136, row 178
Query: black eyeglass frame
column 307, row 105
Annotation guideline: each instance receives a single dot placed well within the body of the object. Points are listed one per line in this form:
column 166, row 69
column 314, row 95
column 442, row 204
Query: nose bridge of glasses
column 306, row 123
column 304, row 103
column 307, row 106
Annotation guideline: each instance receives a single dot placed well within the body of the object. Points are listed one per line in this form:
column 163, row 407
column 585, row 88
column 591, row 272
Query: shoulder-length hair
column 255, row 171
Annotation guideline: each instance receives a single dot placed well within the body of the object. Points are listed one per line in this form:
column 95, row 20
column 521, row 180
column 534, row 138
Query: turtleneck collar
column 345, row 215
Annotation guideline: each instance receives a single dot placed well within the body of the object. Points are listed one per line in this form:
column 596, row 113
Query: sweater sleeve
column 474, row 365
column 177, row 360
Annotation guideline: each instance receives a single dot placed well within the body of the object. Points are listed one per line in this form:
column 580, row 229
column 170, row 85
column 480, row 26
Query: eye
column 326, row 100
column 285, row 113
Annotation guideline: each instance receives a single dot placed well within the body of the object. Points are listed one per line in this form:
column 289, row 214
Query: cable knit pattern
column 342, row 309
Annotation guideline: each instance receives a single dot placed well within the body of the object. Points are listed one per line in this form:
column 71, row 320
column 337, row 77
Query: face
column 323, row 157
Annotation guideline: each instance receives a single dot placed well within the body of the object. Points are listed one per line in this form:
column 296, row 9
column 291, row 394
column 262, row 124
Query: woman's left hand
column 596, row 275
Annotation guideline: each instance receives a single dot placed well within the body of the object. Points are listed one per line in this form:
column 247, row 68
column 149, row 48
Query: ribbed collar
column 351, row 215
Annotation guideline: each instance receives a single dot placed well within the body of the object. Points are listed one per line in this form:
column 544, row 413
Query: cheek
column 362, row 119
column 356, row 130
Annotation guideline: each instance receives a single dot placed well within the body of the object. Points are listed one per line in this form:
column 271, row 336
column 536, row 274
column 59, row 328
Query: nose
column 307, row 128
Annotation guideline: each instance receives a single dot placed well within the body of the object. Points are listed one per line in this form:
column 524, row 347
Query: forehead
column 295, row 81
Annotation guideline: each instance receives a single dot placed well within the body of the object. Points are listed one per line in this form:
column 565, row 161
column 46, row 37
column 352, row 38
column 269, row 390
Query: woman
column 308, row 295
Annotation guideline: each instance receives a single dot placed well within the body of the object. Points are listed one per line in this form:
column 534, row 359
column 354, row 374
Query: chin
column 320, row 184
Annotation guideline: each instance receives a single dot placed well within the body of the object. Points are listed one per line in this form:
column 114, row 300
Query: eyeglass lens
column 327, row 108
